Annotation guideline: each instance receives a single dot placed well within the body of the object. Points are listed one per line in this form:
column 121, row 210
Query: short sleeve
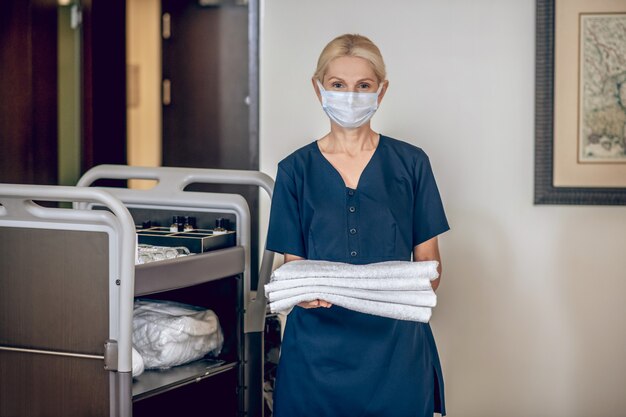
column 285, row 230
column 429, row 218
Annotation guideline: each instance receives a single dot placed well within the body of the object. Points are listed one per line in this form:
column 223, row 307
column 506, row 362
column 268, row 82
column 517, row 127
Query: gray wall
column 532, row 301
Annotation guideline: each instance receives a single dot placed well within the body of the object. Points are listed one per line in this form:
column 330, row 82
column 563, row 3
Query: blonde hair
column 351, row 45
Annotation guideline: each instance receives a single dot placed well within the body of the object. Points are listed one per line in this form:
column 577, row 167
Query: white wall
column 531, row 307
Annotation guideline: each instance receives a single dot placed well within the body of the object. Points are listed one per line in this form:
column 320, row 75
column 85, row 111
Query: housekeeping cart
column 69, row 280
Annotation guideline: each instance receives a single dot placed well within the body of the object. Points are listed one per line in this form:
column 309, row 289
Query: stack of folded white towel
column 395, row 289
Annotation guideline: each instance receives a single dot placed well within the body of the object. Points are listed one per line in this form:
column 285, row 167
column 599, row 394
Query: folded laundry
column 395, row 289
column 425, row 298
column 383, row 309
column 389, row 269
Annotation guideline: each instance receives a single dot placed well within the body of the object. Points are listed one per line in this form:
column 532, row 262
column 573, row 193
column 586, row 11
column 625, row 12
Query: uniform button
column 353, row 253
column 350, row 192
column 352, row 209
column 352, row 231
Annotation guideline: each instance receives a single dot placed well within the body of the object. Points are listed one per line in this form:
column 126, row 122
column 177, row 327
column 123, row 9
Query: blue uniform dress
column 334, row 361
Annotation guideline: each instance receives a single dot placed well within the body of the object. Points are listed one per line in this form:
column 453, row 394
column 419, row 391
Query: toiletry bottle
column 174, row 225
column 188, row 227
column 221, row 226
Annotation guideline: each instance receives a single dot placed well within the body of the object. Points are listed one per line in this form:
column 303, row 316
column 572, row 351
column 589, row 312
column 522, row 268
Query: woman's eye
column 364, row 86
column 337, row 85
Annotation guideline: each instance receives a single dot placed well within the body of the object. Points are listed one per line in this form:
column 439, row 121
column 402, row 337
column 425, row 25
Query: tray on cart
column 196, row 240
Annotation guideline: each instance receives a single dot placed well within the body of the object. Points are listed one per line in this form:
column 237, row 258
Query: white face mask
column 349, row 110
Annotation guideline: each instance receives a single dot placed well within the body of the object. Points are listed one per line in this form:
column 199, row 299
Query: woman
column 359, row 197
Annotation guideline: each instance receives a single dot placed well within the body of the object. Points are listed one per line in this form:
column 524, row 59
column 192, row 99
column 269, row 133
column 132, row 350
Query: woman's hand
column 307, row 304
column 315, row 304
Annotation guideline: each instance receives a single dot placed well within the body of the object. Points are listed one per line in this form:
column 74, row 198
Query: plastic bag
column 167, row 333
column 137, row 363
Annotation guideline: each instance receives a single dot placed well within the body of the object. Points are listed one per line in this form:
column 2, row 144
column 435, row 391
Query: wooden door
column 28, row 91
column 205, row 92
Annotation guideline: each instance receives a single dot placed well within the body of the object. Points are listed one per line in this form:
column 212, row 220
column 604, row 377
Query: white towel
column 398, row 284
column 389, row 269
column 395, row 289
column 414, row 298
column 383, row 309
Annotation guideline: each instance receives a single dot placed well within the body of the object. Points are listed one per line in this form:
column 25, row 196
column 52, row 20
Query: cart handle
column 178, row 178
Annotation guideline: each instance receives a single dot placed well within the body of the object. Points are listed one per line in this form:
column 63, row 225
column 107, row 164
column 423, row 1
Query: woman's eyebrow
column 358, row 81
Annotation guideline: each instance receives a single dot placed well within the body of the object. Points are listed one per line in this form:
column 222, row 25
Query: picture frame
column 584, row 187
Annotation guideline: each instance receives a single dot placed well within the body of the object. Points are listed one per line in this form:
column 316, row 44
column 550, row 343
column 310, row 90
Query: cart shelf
column 156, row 381
column 183, row 272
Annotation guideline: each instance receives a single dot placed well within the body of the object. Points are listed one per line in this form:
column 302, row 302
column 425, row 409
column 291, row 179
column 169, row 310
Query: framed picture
column 580, row 102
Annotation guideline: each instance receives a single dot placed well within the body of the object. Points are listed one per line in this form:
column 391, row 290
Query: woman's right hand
column 315, row 304
column 307, row 304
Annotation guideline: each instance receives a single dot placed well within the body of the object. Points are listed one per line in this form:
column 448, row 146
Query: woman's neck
column 349, row 141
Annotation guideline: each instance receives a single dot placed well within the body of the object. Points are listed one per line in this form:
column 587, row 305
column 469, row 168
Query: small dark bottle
column 190, row 224
column 221, row 226
column 174, row 225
